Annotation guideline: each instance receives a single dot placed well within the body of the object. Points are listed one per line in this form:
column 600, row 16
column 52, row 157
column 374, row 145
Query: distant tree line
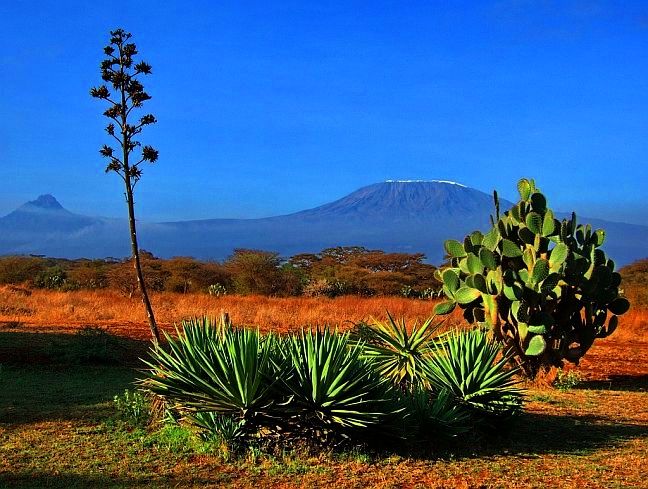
column 332, row 272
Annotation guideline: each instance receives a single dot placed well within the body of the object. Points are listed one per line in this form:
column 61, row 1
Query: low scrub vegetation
column 327, row 388
column 333, row 272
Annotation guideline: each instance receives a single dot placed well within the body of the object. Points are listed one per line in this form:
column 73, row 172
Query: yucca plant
column 399, row 354
column 332, row 389
column 466, row 365
column 219, row 427
column 216, row 368
column 434, row 416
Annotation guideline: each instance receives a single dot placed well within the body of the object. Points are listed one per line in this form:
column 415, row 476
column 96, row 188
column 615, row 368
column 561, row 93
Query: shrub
column 318, row 288
column 133, row 408
column 51, row 278
column 431, row 293
column 397, row 354
column 434, row 417
column 255, row 272
column 543, row 286
column 635, row 278
column 241, row 388
column 217, row 290
column 20, row 269
column 226, row 433
column 215, row 367
column 567, row 379
column 330, row 389
column 90, row 275
column 465, row 366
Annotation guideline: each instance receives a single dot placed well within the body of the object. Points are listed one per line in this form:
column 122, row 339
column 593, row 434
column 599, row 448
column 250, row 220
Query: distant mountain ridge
column 416, row 199
column 396, row 215
column 42, row 215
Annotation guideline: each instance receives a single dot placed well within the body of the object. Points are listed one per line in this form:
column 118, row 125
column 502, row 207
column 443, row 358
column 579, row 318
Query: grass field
column 51, row 311
column 58, row 426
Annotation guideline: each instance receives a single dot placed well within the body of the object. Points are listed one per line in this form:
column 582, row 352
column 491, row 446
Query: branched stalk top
column 124, row 93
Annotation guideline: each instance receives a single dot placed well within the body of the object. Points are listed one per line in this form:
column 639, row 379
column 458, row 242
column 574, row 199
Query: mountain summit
column 421, row 200
column 44, row 202
column 39, row 221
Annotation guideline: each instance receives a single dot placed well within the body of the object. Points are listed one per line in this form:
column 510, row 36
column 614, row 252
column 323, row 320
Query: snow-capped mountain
column 396, row 215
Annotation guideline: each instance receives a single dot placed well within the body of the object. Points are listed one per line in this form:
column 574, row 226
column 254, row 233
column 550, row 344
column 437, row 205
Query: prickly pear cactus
column 543, row 286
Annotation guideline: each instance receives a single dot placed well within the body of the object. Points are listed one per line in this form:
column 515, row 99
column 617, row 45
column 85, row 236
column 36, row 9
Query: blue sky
column 271, row 107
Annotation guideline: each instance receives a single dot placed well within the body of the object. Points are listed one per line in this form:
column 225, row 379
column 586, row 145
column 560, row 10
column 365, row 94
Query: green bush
column 434, row 416
column 329, row 388
column 241, row 388
column 466, row 366
column 217, row 368
column 133, row 408
column 51, row 278
column 217, row 290
column 567, row 379
column 219, row 428
column 397, row 353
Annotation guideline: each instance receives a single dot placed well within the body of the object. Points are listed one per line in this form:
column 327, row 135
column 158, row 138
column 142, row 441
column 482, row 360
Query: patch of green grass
column 567, row 379
column 354, row 454
column 177, row 439
column 33, row 393
column 133, row 408
column 294, row 465
column 541, row 397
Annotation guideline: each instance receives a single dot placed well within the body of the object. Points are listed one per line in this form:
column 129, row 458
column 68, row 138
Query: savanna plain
column 66, row 355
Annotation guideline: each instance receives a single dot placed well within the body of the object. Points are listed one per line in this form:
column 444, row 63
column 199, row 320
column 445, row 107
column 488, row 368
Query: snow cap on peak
column 425, row 181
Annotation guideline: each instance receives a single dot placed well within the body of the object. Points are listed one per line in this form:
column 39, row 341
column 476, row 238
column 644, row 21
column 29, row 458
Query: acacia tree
column 127, row 94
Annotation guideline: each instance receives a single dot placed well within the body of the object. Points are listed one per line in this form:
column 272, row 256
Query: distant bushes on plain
column 330, row 273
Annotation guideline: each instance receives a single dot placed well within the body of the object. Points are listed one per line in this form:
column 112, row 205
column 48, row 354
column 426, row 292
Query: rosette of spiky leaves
column 466, row 365
column 434, row 416
column 397, row 352
column 544, row 286
column 218, row 368
column 218, row 427
column 333, row 391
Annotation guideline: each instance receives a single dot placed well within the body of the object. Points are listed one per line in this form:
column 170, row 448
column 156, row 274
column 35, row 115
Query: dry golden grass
column 111, row 310
column 54, row 430
column 44, row 310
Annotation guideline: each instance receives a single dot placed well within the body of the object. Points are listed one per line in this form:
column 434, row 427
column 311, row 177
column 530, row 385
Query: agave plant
column 466, row 366
column 399, row 354
column 434, row 416
column 331, row 387
column 213, row 426
column 217, row 368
